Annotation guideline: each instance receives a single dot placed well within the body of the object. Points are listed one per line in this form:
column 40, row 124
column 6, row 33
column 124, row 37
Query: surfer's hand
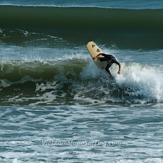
column 119, row 72
column 94, row 58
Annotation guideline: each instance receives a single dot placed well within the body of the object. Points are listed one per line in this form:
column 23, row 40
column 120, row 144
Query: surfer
column 110, row 60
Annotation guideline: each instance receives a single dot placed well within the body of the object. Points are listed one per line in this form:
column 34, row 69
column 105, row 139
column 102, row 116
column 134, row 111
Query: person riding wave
column 110, row 59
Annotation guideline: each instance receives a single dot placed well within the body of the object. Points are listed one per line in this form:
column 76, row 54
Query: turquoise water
column 136, row 4
column 57, row 106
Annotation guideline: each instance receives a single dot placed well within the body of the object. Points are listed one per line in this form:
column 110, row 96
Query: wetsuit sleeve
column 103, row 54
column 115, row 61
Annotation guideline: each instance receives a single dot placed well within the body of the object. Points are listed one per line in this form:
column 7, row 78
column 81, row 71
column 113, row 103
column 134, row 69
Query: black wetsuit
column 111, row 59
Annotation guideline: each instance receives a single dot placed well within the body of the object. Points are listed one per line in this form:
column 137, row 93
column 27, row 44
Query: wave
column 138, row 4
column 79, row 24
column 78, row 81
column 15, row 70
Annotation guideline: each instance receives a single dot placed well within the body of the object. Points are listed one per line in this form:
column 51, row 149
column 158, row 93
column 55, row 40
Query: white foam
column 90, row 70
column 150, row 160
column 16, row 161
column 143, row 80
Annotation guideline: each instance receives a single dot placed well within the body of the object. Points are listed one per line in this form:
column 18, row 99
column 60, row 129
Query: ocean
column 56, row 106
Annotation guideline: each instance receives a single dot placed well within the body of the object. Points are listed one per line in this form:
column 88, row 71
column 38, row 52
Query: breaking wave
column 78, row 81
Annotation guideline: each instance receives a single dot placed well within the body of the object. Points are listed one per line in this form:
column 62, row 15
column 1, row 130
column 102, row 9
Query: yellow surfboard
column 94, row 50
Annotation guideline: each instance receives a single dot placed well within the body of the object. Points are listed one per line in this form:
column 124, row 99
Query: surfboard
column 94, row 50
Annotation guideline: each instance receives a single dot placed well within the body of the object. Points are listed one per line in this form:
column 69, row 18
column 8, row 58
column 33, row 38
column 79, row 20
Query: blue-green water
column 95, row 133
column 57, row 106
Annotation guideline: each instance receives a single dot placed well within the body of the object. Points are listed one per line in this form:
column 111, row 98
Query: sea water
column 56, row 106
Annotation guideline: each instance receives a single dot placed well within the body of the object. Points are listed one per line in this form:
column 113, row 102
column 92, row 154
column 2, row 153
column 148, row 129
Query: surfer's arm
column 97, row 56
column 119, row 70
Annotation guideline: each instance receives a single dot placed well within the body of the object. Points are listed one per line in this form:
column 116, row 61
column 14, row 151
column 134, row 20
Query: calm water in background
column 57, row 106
